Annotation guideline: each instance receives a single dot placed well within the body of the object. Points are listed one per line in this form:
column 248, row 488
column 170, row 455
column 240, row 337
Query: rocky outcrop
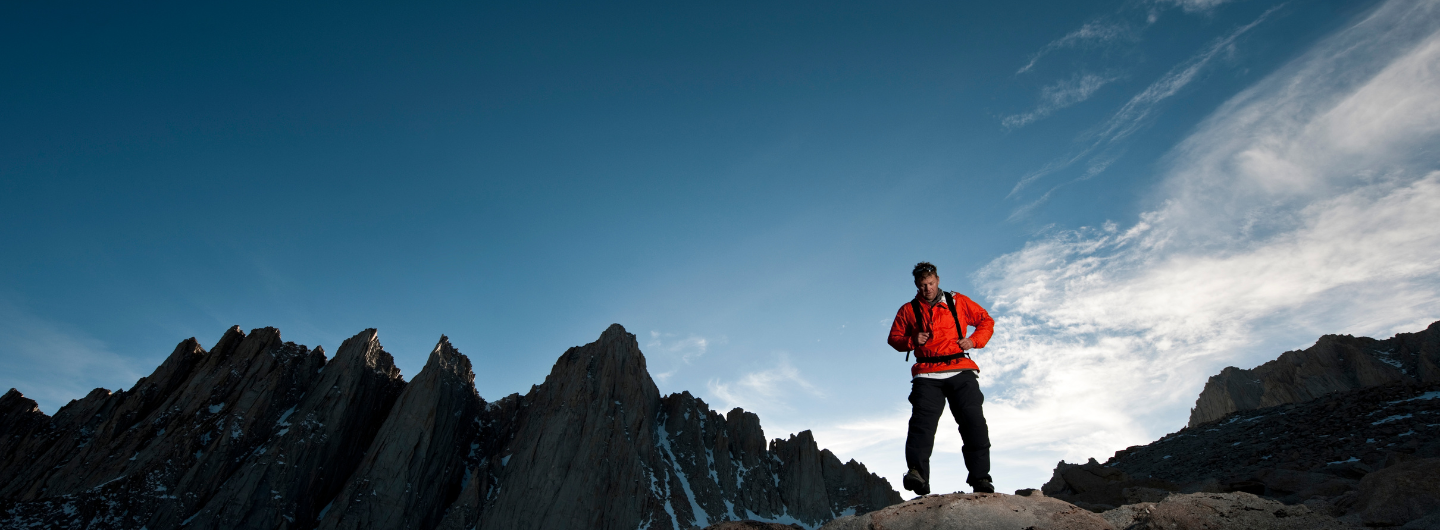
column 1398, row 494
column 260, row 433
column 1232, row 511
column 1336, row 363
column 1343, row 435
column 1365, row 455
column 975, row 511
column 1347, row 455
column 1098, row 488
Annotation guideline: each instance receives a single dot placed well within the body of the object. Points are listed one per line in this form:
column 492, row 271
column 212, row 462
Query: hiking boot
column 983, row 486
column 914, row 482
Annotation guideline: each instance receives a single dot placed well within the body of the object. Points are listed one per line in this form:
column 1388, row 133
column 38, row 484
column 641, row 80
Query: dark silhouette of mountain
column 260, row 433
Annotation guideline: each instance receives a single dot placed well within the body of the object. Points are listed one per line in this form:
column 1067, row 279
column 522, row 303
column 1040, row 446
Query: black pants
column 927, row 401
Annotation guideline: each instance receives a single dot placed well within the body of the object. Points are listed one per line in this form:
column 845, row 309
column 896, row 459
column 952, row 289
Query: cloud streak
column 1093, row 32
column 1194, row 6
column 1058, row 96
column 768, row 388
column 680, row 351
column 1134, row 115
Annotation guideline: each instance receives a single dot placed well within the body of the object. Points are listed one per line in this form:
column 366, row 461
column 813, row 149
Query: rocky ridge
column 1336, row 363
column 261, row 433
column 1369, row 455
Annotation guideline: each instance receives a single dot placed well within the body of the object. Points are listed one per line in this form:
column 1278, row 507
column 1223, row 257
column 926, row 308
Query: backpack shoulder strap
column 919, row 315
column 919, row 323
column 950, row 301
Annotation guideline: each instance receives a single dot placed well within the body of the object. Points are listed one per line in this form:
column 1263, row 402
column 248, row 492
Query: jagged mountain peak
column 364, row 351
column 616, row 348
column 262, row 433
column 447, row 360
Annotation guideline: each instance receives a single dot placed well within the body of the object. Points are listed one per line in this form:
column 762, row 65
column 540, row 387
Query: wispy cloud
column 53, row 363
column 1306, row 205
column 1194, row 6
column 1140, row 107
column 1091, row 33
column 1100, row 150
column 1058, row 96
column 679, row 351
column 767, row 389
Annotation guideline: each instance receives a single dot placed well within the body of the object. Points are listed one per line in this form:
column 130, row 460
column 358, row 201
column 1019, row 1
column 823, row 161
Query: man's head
column 927, row 280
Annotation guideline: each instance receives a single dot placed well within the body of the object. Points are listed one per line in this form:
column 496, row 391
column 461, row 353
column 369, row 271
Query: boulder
column 1399, row 494
column 1098, row 488
column 1230, row 511
column 1294, row 486
column 976, row 511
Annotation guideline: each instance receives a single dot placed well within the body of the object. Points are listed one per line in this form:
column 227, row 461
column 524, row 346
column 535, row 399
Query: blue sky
column 1142, row 192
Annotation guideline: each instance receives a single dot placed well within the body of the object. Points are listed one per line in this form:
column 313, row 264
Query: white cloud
column 1305, row 205
column 1091, row 33
column 771, row 389
column 678, row 351
column 53, row 363
column 1058, row 96
column 1194, row 6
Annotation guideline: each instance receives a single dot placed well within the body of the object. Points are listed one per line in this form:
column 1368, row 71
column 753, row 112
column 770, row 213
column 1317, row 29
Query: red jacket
column 944, row 337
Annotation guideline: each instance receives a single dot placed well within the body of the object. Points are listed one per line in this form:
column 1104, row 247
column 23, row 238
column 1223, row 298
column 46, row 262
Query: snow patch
column 284, row 417
column 702, row 519
column 215, row 409
column 1427, row 395
column 1394, row 418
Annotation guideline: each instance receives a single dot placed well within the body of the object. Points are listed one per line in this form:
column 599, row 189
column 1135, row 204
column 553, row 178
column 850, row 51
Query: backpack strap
column 949, row 301
column 919, row 323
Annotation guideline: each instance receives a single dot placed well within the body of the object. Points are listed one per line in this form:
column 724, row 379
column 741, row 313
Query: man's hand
column 922, row 337
column 965, row 344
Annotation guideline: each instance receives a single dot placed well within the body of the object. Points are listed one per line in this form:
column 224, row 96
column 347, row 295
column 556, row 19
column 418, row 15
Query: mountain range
column 261, row 433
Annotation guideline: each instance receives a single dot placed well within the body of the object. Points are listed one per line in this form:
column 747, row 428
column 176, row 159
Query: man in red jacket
column 933, row 325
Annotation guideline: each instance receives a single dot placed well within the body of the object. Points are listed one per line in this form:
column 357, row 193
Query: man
column 943, row 371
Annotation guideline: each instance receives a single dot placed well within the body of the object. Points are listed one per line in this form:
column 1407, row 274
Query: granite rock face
column 1336, row 363
column 976, row 511
column 151, row 456
column 316, row 447
column 416, row 465
column 260, row 433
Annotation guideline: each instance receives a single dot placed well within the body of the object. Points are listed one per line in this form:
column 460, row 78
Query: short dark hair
column 923, row 270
